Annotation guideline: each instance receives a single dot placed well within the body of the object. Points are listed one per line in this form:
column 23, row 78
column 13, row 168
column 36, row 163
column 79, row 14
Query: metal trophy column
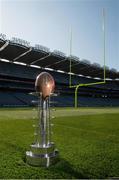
column 44, row 122
column 43, row 152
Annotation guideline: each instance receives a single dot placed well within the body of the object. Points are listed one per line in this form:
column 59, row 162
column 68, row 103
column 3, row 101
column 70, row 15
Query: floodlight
column 74, row 58
column 20, row 41
column 42, row 48
column 2, row 36
column 59, row 53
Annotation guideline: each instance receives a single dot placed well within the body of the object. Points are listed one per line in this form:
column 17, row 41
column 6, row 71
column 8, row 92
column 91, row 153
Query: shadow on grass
column 63, row 166
column 15, row 147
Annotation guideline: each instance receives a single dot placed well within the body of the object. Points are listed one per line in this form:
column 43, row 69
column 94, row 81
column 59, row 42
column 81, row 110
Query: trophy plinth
column 42, row 156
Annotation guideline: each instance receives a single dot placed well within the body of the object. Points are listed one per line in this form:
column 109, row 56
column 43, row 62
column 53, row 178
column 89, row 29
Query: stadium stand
column 17, row 79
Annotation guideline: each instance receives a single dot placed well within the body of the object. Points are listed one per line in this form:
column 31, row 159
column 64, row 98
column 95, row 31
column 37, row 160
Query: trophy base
column 42, row 156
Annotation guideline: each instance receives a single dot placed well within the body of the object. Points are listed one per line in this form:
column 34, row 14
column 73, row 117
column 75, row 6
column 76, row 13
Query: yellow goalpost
column 70, row 66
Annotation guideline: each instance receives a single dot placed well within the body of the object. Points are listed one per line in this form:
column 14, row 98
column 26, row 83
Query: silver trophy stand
column 42, row 152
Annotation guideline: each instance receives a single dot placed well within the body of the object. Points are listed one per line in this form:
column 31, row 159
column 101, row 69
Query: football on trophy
column 45, row 84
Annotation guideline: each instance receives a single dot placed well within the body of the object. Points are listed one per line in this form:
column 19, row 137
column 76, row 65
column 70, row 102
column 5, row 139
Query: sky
column 49, row 23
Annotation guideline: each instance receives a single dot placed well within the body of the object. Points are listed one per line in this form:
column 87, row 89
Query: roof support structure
column 56, row 63
column 23, row 54
column 4, row 46
column 33, row 63
column 83, row 67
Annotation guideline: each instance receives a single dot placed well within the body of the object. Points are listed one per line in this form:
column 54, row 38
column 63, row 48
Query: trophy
column 42, row 151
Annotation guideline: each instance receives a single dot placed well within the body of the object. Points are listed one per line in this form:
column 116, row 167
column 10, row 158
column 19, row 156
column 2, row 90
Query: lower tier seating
column 21, row 99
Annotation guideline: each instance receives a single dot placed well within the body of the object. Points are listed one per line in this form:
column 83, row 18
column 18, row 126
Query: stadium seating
column 15, row 99
column 17, row 81
column 85, row 101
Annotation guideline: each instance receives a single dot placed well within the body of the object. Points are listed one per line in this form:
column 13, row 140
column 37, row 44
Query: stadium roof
column 17, row 50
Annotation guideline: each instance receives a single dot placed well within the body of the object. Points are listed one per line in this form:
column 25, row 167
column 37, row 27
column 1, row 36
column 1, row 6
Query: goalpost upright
column 104, row 66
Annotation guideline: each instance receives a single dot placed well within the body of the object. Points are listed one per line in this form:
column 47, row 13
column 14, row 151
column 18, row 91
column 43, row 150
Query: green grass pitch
column 87, row 139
